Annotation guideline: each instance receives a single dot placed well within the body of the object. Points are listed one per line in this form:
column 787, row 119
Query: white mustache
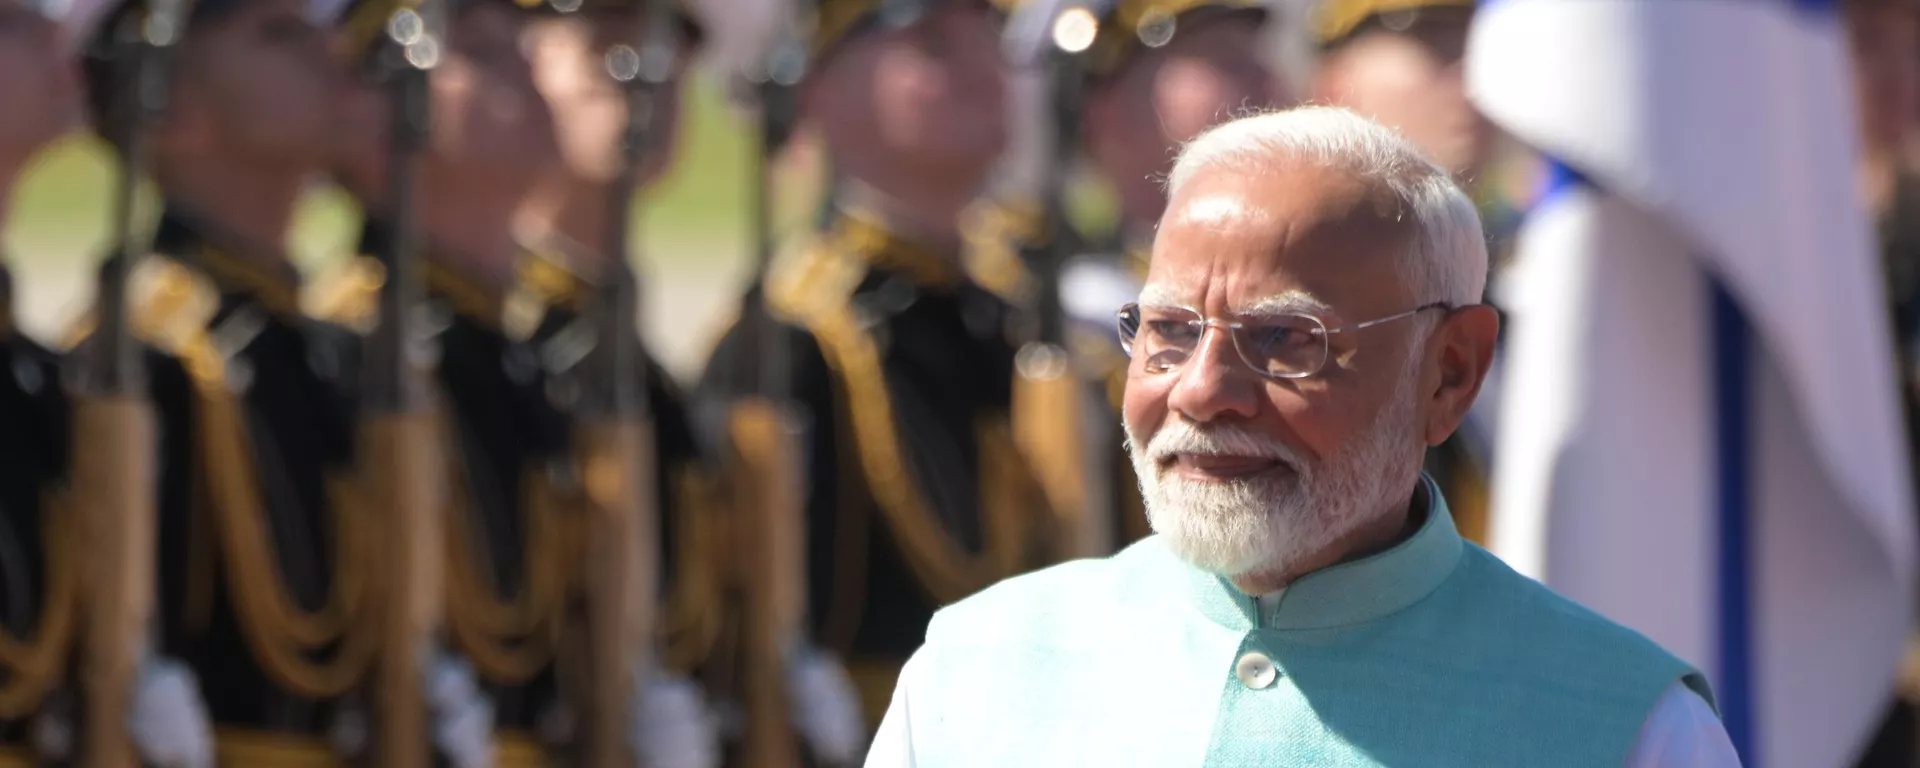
column 1180, row 436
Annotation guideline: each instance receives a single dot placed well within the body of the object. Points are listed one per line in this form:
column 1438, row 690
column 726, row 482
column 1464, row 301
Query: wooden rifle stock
column 616, row 434
column 401, row 465
column 1057, row 422
column 762, row 428
column 114, row 424
column 773, row 547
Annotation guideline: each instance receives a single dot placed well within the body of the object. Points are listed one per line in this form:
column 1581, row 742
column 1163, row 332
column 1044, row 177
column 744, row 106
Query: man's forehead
column 1245, row 233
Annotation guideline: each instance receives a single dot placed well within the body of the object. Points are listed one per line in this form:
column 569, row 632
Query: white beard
column 1269, row 523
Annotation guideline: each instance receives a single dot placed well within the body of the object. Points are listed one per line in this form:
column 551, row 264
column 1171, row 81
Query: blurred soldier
column 513, row 480
column 1154, row 76
column 900, row 365
column 1399, row 62
column 39, row 85
column 570, row 216
column 1883, row 39
column 260, row 550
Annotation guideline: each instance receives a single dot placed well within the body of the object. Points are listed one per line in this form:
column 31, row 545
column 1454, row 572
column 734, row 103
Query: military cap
column 1336, row 20
column 1125, row 27
column 361, row 21
column 754, row 36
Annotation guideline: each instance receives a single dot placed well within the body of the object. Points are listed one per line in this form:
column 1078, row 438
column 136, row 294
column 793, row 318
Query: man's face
column 259, row 82
column 589, row 107
column 1411, row 80
column 492, row 131
column 38, row 81
column 1244, row 473
column 932, row 94
column 1209, row 72
column 1884, row 38
column 490, row 124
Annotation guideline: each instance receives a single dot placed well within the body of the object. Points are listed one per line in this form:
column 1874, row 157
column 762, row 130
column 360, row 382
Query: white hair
column 1448, row 261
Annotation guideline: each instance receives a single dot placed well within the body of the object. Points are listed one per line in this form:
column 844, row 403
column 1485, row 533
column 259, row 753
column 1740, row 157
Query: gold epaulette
column 995, row 233
column 816, row 293
column 350, row 295
column 548, row 276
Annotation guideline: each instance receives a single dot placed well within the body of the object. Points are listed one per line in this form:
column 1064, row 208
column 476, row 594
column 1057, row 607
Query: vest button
column 1255, row 670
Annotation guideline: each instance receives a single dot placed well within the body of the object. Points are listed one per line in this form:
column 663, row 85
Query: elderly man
column 1309, row 324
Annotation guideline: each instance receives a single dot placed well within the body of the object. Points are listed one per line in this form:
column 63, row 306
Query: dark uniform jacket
column 505, row 365
column 34, row 452
column 261, row 583
column 915, row 495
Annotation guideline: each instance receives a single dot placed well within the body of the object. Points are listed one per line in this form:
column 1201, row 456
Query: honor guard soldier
column 263, row 578
column 611, row 146
column 1399, row 62
column 38, row 83
column 872, row 343
column 1123, row 84
column 521, row 499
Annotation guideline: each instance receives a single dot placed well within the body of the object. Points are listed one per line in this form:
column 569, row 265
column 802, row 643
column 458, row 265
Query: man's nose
column 1215, row 382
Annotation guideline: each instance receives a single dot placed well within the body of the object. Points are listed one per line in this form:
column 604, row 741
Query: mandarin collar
column 1346, row 594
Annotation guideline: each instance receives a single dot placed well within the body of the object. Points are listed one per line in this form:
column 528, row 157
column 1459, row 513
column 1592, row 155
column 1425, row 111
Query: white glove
column 462, row 715
column 672, row 727
column 169, row 721
column 826, row 708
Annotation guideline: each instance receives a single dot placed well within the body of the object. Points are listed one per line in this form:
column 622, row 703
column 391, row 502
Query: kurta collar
column 1350, row 593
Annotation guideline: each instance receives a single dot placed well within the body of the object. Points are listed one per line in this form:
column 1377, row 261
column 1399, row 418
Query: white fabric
column 1681, row 731
column 673, row 727
column 169, row 720
column 462, row 715
column 826, row 706
column 1717, row 137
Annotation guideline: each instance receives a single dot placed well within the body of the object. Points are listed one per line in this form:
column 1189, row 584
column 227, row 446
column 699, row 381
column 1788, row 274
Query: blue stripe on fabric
column 1733, row 406
column 1561, row 179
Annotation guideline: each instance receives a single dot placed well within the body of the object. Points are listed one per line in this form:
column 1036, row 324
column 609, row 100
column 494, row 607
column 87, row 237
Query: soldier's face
column 261, row 82
column 1209, row 72
column 1411, row 80
column 932, row 94
column 1884, row 39
column 491, row 127
column 38, row 83
column 589, row 108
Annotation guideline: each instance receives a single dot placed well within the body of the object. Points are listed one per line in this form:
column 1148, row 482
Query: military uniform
column 36, row 608
column 916, row 496
column 262, row 584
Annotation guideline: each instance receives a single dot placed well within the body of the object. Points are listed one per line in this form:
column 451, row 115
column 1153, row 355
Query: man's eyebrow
column 1290, row 302
column 1158, row 295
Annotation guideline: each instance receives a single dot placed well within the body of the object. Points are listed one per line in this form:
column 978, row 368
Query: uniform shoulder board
column 169, row 303
column 348, row 296
column 995, row 232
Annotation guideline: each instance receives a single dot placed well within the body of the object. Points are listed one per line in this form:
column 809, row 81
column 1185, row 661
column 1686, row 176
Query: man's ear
column 1459, row 353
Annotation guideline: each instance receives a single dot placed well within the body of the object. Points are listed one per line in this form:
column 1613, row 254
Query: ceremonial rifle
column 1061, row 425
column 615, row 431
column 396, row 433
column 764, row 430
column 114, row 430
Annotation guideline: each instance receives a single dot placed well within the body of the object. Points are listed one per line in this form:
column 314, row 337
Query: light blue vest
column 1433, row 653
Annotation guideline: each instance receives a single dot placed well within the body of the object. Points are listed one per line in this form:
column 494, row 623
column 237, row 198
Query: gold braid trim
column 693, row 609
column 280, row 633
column 513, row 749
column 818, row 298
column 277, row 630
column 995, row 232
column 266, row 749
column 509, row 642
column 34, row 666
